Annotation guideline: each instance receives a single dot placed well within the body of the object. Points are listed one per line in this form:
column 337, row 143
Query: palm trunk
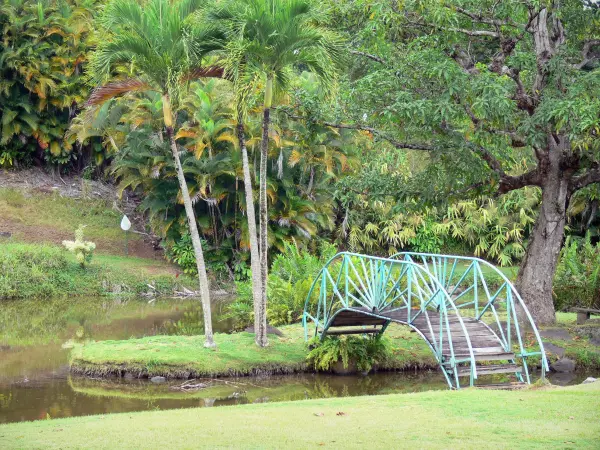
column 189, row 211
column 254, row 250
column 260, row 321
column 310, row 181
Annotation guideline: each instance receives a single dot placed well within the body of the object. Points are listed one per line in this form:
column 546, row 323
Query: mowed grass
column 470, row 418
column 236, row 354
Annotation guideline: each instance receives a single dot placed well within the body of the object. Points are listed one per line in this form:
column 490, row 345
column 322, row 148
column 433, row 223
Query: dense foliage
column 44, row 47
column 577, row 280
column 292, row 274
column 467, row 127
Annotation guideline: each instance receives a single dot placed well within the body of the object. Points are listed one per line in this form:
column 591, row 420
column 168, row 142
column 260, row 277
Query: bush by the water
column 577, row 278
column 364, row 351
column 42, row 271
column 31, row 270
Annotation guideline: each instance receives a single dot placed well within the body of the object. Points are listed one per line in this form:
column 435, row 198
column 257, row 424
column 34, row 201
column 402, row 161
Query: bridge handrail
column 514, row 292
column 437, row 284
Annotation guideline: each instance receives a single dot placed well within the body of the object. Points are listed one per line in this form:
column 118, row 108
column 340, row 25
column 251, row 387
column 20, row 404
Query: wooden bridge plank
column 353, row 331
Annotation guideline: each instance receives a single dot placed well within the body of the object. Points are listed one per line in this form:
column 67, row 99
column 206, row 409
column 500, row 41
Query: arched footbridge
column 466, row 310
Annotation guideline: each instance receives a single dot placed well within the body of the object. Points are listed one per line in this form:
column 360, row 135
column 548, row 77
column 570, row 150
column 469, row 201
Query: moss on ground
column 236, row 354
column 470, row 418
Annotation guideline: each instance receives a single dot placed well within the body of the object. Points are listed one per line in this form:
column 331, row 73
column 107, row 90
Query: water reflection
column 35, row 384
column 66, row 396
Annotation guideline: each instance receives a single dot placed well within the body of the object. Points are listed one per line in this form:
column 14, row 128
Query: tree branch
column 547, row 40
column 507, row 182
column 374, row 131
column 590, row 177
column 586, row 56
column 488, row 33
column 380, row 134
column 369, row 56
column 516, row 139
column 489, row 159
column 493, row 34
column 511, row 183
column 523, row 99
column 481, row 19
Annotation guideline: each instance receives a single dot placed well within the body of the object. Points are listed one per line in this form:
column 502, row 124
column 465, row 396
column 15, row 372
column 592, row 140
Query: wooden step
column 492, row 369
column 345, row 322
column 337, row 332
column 499, row 356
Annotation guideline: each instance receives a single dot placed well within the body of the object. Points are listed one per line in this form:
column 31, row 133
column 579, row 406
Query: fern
column 577, row 278
column 366, row 352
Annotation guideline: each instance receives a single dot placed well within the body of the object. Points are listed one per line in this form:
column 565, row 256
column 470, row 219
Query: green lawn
column 543, row 418
column 236, row 354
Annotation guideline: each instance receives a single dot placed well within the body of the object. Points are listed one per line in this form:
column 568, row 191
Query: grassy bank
column 236, row 354
column 543, row 418
column 44, row 270
column 185, row 356
column 33, row 262
column 47, row 217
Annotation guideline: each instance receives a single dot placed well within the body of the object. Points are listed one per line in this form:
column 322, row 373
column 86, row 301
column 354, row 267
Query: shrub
column 577, row 277
column 40, row 271
column 365, row 351
column 30, row 270
column 83, row 250
column 182, row 253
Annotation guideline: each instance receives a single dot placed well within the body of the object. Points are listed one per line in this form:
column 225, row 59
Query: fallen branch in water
column 189, row 386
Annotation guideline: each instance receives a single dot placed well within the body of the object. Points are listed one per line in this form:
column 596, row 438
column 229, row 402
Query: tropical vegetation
column 467, row 127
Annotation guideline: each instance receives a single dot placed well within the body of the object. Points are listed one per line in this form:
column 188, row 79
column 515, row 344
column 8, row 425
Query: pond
column 35, row 383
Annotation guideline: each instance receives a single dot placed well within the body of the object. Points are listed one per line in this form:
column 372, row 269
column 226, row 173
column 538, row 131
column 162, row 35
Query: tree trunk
column 254, row 250
column 260, row 320
column 310, row 181
column 189, row 211
column 536, row 273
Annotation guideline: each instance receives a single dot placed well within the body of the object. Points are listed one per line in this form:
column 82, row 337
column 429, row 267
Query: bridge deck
column 486, row 345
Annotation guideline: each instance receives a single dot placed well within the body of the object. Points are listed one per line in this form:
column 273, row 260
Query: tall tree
column 503, row 93
column 275, row 37
column 154, row 38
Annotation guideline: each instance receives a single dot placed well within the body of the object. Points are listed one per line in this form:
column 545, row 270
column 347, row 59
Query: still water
column 35, row 383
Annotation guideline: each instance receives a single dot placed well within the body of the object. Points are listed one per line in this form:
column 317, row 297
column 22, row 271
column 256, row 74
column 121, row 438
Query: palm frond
column 103, row 93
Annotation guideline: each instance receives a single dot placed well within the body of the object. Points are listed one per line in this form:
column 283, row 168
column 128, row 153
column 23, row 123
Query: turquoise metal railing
column 481, row 290
column 351, row 280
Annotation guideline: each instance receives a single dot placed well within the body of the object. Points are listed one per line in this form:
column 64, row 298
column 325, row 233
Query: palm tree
column 153, row 37
column 274, row 37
